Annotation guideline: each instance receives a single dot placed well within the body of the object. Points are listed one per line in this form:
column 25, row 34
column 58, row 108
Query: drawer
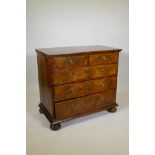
column 98, row 59
column 69, row 108
column 70, row 75
column 103, row 71
column 60, row 62
column 73, row 90
column 84, row 73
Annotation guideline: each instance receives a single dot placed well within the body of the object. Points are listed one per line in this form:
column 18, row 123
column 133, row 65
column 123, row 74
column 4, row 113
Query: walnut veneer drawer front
column 84, row 73
column 97, row 59
column 68, row 91
column 69, row 108
column 76, row 81
column 70, row 75
column 60, row 62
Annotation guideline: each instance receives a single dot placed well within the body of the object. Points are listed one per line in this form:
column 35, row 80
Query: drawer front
column 68, row 91
column 103, row 71
column 60, row 62
column 84, row 73
column 98, row 59
column 70, row 75
column 69, row 108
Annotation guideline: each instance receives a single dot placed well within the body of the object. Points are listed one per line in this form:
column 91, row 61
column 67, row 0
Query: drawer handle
column 87, row 69
column 72, row 90
column 103, row 70
column 102, row 99
column 104, row 58
column 71, row 75
column 71, row 61
column 103, row 85
column 73, row 107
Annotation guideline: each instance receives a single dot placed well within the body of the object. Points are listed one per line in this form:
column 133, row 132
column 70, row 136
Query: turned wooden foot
column 41, row 111
column 114, row 109
column 55, row 126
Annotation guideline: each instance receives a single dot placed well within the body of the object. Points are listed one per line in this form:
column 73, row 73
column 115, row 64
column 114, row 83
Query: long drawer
column 69, row 108
column 83, row 73
column 73, row 90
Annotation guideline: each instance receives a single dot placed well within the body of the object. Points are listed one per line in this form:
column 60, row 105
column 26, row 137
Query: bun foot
column 41, row 111
column 55, row 126
column 114, row 109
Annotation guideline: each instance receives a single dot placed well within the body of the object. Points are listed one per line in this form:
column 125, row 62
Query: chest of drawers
column 76, row 81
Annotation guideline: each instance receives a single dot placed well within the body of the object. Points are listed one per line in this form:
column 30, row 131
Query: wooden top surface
column 76, row 50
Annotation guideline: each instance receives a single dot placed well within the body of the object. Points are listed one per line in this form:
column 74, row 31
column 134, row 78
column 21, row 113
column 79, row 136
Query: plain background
column 55, row 23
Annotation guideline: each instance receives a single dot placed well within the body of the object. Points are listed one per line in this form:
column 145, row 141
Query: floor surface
column 101, row 133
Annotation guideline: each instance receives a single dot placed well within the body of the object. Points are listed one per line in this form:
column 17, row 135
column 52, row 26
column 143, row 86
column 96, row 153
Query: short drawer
column 83, row 73
column 103, row 71
column 73, row 90
column 60, row 62
column 70, row 75
column 98, row 59
column 69, row 108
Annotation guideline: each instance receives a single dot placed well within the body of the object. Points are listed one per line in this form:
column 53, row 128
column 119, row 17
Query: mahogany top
column 76, row 50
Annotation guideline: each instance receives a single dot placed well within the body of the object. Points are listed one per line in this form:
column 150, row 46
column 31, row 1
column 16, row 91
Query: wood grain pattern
column 70, row 75
column 84, row 73
column 102, row 71
column 98, row 59
column 69, row 108
column 60, row 62
column 73, row 90
column 53, row 120
column 44, row 83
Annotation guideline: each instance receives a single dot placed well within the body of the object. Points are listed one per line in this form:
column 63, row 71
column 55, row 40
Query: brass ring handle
column 71, row 75
column 87, row 69
column 103, row 58
column 103, row 84
column 103, row 70
column 73, row 106
column 71, row 60
column 102, row 99
column 72, row 90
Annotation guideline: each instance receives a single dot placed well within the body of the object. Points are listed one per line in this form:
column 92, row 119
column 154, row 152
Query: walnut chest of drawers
column 76, row 81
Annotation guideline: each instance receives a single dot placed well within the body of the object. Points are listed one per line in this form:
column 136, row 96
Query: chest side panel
column 44, row 82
